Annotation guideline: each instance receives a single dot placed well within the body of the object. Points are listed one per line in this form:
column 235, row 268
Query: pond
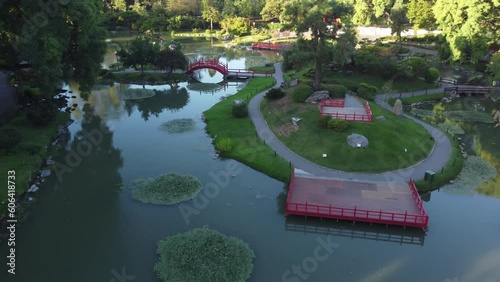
column 84, row 225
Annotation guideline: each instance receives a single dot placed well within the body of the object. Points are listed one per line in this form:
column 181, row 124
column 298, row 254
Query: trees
column 183, row 7
column 272, row 9
column 420, row 14
column 468, row 25
column 398, row 20
column 235, row 25
column 170, row 60
column 210, row 12
column 320, row 17
column 140, row 53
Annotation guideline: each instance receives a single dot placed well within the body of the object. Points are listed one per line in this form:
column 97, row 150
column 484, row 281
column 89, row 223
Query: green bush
column 9, row 138
column 224, row 145
column 431, row 75
column 30, row 148
column 366, row 91
column 240, row 110
column 324, row 120
column 337, row 124
column 301, row 93
column 335, row 91
column 417, row 65
column 275, row 94
column 41, row 112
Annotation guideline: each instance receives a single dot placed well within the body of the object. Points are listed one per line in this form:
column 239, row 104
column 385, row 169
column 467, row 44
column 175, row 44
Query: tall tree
column 170, row 60
column 420, row 13
column 363, row 13
column 320, row 17
column 141, row 52
column 272, row 9
column 211, row 11
column 469, row 26
column 398, row 20
column 183, row 7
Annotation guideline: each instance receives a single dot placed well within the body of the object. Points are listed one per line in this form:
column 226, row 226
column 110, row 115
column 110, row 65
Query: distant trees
column 140, row 52
column 320, row 17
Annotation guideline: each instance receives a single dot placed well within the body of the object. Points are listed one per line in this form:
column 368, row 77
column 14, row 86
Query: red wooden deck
column 356, row 201
column 336, row 109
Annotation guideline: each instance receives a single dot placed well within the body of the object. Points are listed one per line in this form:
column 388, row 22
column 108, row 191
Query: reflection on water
column 480, row 138
column 172, row 99
column 358, row 230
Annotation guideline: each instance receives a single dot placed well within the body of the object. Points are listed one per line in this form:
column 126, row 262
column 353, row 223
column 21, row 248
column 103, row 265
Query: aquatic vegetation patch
column 166, row 189
column 422, row 113
column 202, row 255
column 137, row 93
column 469, row 116
column 474, row 173
column 180, row 125
column 203, row 86
column 451, row 128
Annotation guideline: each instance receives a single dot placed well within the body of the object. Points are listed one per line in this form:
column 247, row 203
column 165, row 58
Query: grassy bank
column 248, row 147
column 418, row 99
column 394, row 143
column 263, row 69
column 26, row 166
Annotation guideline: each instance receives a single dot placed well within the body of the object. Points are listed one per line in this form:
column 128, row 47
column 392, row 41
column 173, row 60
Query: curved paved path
column 436, row 160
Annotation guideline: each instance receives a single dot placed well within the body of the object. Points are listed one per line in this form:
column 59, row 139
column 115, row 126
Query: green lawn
column 248, row 147
column 417, row 99
column 388, row 139
column 24, row 165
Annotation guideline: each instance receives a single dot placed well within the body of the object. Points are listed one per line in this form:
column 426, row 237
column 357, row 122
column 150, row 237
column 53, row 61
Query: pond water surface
column 85, row 227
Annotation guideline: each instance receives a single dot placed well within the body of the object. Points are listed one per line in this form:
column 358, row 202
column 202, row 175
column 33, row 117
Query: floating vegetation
column 422, row 113
column 451, row 128
column 137, row 93
column 469, row 116
column 202, row 255
column 203, row 86
column 180, row 125
column 166, row 189
column 474, row 173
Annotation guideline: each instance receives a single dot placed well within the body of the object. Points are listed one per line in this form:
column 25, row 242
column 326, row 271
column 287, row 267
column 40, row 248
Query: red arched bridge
column 207, row 64
column 223, row 69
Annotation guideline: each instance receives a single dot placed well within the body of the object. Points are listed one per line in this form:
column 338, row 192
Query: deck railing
column 340, row 103
column 417, row 198
column 355, row 214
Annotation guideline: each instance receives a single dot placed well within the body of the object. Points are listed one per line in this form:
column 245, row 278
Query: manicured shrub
column 9, row 138
column 224, row 145
column 203, row 255
column 366, row 91
column 323, row 121
column 418, row 66
column 432, row 75
column 301, row 93
column 335, row 91
column 41, row 112
column 275, row 94
column 240, row 110
column 338, row 125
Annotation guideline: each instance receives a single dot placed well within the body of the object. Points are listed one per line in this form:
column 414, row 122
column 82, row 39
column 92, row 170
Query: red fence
column 417, row 199
column 266, row 46
column 339, row 103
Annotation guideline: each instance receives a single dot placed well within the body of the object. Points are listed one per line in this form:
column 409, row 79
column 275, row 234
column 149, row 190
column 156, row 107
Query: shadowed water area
column 84, row 226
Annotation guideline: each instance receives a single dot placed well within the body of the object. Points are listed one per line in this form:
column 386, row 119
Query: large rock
column 397, row 109
column 318, row 96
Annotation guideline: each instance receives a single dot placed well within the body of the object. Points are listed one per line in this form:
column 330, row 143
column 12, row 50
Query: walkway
column 435, row 162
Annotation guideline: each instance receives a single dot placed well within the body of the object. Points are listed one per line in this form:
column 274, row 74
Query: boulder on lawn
column 318, row 96
column 398, row 108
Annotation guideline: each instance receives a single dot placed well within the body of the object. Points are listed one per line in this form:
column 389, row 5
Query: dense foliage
column 166, row 189
column 240, row 110
column 301, row 93
column 335, row 91
column 366, row 91
column 338, row 125
column 275, row 94
column 324, row 120
column 202, row 255
column 9, row 138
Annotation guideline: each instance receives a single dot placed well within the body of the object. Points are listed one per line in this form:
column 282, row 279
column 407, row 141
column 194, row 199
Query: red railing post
column 406, row 214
